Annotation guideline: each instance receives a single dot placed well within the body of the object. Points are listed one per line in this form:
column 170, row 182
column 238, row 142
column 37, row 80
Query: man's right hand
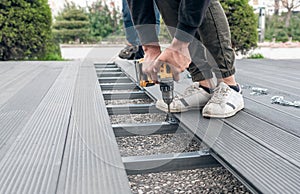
column 177, row 56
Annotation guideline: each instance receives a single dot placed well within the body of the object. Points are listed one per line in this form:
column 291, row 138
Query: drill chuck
column 166, row 88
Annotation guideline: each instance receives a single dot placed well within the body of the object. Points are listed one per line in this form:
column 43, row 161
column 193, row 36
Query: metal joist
column 111, row 69
column 132, row 109
column 111, row 74
column 137, row 129
column 168, row 162
column 119, row 86
column 125, row 95
column 115, row 80
column 103, row 65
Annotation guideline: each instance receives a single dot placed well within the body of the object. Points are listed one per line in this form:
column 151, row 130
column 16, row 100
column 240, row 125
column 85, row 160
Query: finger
column 154, row 77
column 176, row 73
column 176, row 76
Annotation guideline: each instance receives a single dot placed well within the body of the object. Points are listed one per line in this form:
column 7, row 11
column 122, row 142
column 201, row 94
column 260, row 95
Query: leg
column 130, row 32
column 194, row 97
column 216, row 37
column 215, row 33
column 201, row 72
column 134, row 49
column 157, row 16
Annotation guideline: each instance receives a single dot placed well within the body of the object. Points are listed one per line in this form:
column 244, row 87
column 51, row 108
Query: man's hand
column 177, row 56
column 152, row 51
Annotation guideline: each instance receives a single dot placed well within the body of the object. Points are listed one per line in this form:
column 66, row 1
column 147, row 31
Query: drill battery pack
column 144, row 81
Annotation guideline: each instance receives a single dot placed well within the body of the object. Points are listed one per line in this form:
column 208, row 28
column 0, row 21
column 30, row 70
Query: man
column 134, row 49
column 192, row 19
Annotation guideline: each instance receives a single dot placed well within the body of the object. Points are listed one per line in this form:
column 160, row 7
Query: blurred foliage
column 104, row 20
column 25, row 31
column 164, row 35
column 256, row 56
column 275, row 28
column 77, row 25
column 243, row 24
column 71, row 25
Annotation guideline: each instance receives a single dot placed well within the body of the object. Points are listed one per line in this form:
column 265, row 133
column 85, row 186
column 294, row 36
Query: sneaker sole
column 225, row 115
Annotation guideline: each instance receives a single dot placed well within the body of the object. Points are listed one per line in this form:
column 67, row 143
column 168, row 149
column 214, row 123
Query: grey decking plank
column 18, row 109
column 12, row 87
column 266, row 100
column 276, row 86
column 92, row 162
column 32, row 163
column 285, row 120
column 283, row 74
column 283, row 66
column 261, row 166
column 16, row 73
column 274, row 138
column 6, row 67
column 269, row 84
column 274, row 76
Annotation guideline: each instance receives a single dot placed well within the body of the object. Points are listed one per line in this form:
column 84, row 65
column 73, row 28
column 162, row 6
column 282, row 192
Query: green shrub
column 256, row 56
column 25, row 29
column 53, row 52
column 104, row 20
column 243, row 24
column 275, row 28
column 71, row 25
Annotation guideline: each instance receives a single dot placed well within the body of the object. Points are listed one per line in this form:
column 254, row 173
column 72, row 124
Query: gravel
column 121, row 91
column 138, row 118
column 157, row 144
column 206, row 180
column 127, row 101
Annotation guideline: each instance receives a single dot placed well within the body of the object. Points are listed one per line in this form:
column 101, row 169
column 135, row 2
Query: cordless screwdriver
column 166, row 85
column 165, row 81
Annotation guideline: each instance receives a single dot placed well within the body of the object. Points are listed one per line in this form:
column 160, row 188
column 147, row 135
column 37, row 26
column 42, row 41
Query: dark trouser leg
column 169, row 13
column 130, row 32
column 215, row 35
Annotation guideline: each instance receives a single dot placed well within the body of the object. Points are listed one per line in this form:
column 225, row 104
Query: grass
column 256, row 56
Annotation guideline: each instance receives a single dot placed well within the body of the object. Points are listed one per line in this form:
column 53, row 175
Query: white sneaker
column 225, row 102
column 193, row 98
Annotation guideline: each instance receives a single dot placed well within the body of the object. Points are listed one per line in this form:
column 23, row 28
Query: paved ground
column 109, row 52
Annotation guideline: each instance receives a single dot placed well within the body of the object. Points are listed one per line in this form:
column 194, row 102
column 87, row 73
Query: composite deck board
column 32, row 163
column 281, row 74
column 290, row 80
column 283, row 143
column 16, row 73
column 257, row 163
column 270, row 84
column 5, row 67
column 282, row 119
column 292, row 85
column 284, row 65
column 289, row 90
column 92, row 161
column 261, row 142
column 21, row 104
column 266, row 100
column 11, row 88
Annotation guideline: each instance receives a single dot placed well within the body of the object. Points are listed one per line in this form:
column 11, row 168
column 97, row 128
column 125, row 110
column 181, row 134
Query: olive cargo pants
column 213, row 34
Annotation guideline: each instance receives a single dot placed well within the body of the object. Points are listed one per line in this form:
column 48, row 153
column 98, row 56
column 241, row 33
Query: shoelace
column 192, row 89
column 219, row 95
column 188, row 91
